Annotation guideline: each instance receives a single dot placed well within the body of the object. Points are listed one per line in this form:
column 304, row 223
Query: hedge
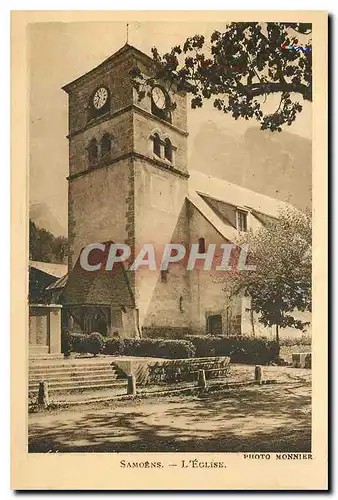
column 241, row 349
column 114, row 346
column 155, row 348
column 93, row 343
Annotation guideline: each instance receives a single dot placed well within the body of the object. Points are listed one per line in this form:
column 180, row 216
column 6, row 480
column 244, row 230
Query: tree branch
column 258, row 89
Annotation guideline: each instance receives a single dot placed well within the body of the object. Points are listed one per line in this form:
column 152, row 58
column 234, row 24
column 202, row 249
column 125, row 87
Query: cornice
column 134, row 155
column 131, row 107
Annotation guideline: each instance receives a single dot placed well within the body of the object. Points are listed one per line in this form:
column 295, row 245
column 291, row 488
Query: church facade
column 129, row 182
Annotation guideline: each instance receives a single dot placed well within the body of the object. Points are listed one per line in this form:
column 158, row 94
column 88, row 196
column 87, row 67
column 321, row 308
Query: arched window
column 201, row 245
column 168, row 150
column 106, row 143
column 157, row 145
column 92, row 151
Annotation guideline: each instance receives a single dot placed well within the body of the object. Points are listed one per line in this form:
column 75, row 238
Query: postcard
column 169, row 250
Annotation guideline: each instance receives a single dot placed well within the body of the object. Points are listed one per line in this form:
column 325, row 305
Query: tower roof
column 122, row 52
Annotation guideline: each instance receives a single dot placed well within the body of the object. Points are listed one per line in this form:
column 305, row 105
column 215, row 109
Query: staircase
column 77, row 379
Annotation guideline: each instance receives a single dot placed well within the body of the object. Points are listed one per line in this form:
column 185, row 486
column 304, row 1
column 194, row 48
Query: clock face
column 159, row 97
column 100, row 97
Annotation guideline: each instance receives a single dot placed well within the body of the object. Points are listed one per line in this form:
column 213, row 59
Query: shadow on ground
column 275, row 418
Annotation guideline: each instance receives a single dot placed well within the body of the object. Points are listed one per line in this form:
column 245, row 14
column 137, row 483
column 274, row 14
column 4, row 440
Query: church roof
column 203, row 187
column 111, row 288
column 228, row 232
column 233, row 194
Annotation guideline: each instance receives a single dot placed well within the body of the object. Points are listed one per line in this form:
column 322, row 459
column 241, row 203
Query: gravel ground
column 254, row 418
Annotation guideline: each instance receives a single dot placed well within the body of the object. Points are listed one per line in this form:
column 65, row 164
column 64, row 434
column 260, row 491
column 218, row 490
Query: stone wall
column 45, row 328
column 99, row 206
column 167, row 371
column 160, row 218
column 165, row 332
column 206, row 287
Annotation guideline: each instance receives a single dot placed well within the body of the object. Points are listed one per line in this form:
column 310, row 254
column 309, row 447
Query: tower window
column 157, row 145
column 242, row 220
column 168, row 150
column 201, row 245
column 106, row 143
column 92, row 151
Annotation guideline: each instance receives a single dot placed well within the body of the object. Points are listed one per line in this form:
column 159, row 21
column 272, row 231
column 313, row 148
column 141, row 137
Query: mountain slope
column 42, row 215
column 275, row 164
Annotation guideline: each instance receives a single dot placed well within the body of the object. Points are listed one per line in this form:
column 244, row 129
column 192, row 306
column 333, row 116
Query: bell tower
column 128, row 174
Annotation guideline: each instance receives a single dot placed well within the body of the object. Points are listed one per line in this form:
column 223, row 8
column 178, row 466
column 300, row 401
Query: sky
column 60, row 52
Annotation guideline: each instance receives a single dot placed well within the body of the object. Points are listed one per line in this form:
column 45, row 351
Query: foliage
column 92, row 344
column 290, row 341
column 96, row 342
column 241, row 349
column 156, row 348
column 45, row 247
column 114, row 346
column 240, row 66
column 281, row 284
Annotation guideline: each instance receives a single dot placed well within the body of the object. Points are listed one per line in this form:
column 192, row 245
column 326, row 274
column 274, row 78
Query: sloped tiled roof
column 98, row 287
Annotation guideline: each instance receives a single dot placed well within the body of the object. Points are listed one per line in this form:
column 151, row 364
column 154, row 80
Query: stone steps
column 71, row 370
column 89, row 379
column 72, row 388
column 51, row 364
column 73, row 377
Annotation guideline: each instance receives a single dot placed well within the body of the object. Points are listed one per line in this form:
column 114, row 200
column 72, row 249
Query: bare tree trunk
column 277, row 334
column 252, row 321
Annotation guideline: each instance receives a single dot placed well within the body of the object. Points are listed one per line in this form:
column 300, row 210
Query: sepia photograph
column 169, row 253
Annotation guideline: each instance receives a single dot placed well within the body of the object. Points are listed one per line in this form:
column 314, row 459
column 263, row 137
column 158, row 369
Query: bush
column 114, row 347
column 96, row 343
column 241, row 349
column 93, row 343
column 159, row 348
column 290, row 341
column 78, row 342
column 154, row 348
column 176, row 349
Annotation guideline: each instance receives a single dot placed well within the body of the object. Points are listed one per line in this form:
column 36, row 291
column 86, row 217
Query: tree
column 242, row 65
column 45, row 247
column 281, row 283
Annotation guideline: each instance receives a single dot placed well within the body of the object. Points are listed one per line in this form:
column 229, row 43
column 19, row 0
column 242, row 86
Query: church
column 130, row 182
